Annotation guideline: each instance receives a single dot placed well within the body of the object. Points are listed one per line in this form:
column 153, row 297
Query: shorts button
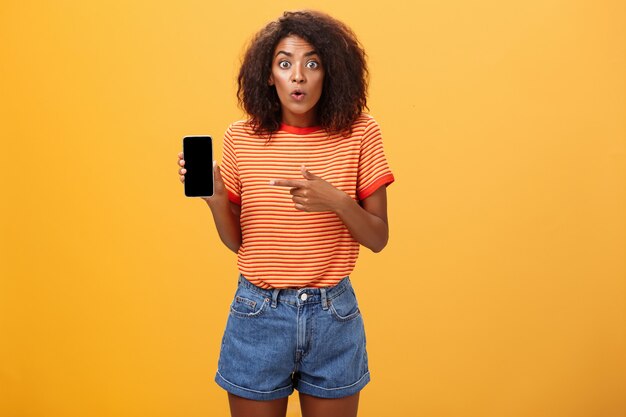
column 303, row 297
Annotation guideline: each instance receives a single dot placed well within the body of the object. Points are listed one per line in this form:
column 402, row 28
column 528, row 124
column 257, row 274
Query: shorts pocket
column 248, row 303
column 344, row 307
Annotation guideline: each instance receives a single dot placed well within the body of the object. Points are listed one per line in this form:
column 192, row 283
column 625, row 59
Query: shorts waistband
column 295, row 296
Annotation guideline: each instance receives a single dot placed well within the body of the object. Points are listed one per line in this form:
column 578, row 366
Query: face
column 298, row 76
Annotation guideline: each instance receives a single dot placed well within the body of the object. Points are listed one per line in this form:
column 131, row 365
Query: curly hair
column 344, row 89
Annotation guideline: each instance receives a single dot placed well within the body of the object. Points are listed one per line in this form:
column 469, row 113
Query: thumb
column 217, row 173
column 307, row 174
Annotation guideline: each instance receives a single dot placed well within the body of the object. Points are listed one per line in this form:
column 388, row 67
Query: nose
column 297, row 76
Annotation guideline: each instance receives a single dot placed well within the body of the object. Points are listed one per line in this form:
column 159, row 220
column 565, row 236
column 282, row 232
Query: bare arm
column 226, row 214
column 367, row 222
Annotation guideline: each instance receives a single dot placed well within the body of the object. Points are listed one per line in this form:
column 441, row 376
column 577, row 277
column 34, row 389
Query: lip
column 298, row 95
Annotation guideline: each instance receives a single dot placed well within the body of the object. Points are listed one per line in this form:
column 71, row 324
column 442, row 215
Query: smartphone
column 198, row 156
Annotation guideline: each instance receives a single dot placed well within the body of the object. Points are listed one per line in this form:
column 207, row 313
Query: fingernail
column 272, row 182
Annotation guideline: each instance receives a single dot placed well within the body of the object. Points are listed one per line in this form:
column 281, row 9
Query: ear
column 271, row 80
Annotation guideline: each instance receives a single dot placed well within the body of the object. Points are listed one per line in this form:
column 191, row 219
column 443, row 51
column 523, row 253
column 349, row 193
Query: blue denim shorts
column 278, row 340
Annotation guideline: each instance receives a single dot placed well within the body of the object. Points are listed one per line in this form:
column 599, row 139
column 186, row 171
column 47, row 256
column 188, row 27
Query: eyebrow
column 289, row 54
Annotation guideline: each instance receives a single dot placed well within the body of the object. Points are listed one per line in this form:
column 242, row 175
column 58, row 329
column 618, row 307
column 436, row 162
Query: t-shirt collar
column 299, row 130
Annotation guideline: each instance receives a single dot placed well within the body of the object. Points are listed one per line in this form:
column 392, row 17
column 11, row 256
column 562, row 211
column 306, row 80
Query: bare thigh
column 243, row 407
column 329, row 407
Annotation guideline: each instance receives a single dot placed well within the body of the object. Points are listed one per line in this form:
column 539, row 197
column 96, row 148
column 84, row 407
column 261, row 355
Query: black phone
column 198, row 156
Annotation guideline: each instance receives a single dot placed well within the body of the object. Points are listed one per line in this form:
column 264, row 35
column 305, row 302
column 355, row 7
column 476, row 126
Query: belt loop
column 275, row 297
column 324, row 300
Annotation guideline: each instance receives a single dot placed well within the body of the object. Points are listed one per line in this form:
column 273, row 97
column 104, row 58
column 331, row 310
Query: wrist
column 344, row 204
column 217, row 201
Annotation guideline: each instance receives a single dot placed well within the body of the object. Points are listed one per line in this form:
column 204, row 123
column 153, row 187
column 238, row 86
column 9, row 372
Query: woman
column 302, row 184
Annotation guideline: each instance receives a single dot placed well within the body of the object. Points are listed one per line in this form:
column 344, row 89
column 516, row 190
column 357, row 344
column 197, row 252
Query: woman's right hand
column 225, row 213
column 219, row 189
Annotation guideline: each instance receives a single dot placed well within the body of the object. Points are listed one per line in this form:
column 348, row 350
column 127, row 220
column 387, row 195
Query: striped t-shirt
column 281, row 245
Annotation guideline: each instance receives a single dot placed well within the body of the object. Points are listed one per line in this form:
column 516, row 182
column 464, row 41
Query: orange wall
column 502, row 292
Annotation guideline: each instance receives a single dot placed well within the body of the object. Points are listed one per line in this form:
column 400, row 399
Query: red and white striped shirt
column 282, row 246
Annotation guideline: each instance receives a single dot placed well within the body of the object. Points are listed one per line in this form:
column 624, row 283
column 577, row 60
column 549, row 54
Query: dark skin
column 366, row 223
column 366, row 220
column 310, row 406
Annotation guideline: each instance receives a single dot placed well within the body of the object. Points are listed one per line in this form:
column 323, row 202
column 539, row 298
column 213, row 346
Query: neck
column 308, row 119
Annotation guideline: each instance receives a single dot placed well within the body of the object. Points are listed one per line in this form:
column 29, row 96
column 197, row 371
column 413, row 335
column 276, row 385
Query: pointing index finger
column 286, row 183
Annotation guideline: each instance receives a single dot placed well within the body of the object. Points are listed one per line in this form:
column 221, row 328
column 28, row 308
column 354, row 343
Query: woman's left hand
column 313, row 193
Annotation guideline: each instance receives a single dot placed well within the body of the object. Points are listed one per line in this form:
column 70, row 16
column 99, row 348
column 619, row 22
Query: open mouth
column 298, row 95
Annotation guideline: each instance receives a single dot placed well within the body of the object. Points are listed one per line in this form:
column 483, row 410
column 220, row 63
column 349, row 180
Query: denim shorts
column 278, row 340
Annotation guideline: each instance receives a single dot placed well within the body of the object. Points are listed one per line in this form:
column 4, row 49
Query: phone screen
column 198, row 156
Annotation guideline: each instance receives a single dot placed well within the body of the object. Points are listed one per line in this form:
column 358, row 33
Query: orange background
column 502, row 292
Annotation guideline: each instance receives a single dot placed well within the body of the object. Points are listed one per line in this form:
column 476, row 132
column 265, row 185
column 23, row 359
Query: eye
column 312, row 64
column 284, row 64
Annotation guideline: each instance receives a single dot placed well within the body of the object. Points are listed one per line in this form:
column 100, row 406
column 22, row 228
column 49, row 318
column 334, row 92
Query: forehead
column 293, row 44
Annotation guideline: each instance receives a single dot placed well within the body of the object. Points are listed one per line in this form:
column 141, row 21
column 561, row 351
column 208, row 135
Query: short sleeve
column 229, row 168
column 374, row 171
